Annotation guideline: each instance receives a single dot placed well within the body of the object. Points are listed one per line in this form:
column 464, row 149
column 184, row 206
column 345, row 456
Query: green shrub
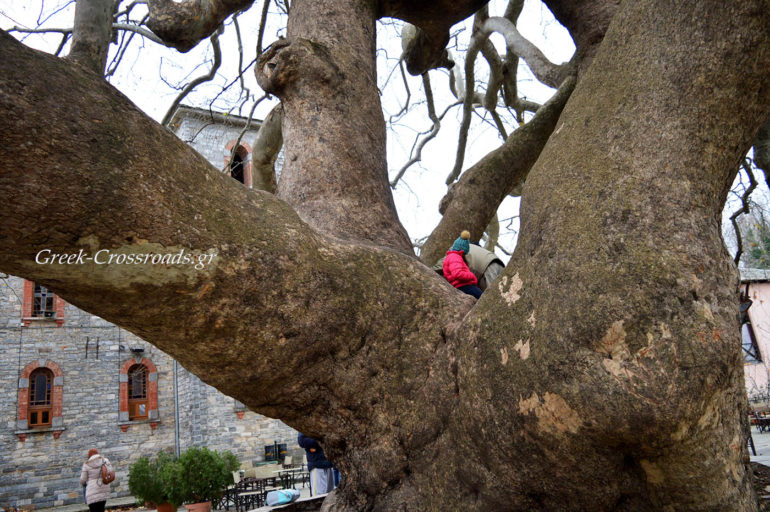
column 202, row 474
column 199, row 474
column 146, row 479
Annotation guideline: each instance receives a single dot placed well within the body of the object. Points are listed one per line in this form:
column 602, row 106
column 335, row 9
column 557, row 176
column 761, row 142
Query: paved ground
column 762, row 445
column 129, row 501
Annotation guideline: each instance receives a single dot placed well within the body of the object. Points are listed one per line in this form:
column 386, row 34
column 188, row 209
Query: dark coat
column 315, row 454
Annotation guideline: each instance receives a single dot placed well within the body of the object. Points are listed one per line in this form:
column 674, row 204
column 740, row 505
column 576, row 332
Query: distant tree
column 756, row 240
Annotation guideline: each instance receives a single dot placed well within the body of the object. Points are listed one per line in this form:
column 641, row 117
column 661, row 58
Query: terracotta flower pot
column 204, row 506
column 166, row 507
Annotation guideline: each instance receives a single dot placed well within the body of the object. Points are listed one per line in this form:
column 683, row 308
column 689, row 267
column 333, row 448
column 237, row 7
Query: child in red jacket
column 455, row 269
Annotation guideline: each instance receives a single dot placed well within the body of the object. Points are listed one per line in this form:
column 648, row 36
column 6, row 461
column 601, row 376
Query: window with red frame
column 137, row 392
column 43, row 303
column 40, row 408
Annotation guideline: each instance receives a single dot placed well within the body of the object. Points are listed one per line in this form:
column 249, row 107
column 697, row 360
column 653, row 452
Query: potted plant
column 202, row 475
column 148, row 481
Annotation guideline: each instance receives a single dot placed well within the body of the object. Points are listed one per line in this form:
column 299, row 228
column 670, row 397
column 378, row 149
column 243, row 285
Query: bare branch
column 195, row 83
column 408, row 92
column 469, row 96
column 125, row 43
column 41, row 20
column 745, row 200
column 130, row 27
column 472, row 201
column 499, row 124
column 240, row 56
column 64, row 39
column 511, row 66
column 493, row 233
column 130, row 7
column 417, row 155
column 40, row 30
column 544, row 70
column 489, row 52
column 262, row 23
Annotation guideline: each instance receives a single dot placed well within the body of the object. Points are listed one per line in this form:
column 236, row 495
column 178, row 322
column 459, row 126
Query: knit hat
column 462, row 244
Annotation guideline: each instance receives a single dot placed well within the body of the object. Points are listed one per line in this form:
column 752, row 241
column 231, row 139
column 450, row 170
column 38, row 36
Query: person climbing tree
column 456, row 270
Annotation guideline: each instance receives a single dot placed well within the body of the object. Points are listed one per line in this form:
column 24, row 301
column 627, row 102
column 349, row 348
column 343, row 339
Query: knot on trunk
column 291, row 63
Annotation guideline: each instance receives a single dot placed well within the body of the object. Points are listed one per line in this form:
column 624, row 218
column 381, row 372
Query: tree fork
column 335, row 172
column 274, row 305
column 628, row 371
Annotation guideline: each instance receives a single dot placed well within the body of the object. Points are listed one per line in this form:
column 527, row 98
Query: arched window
column 236, row 167
column 137, row 392
column 40, row 394
column 238, row 164
column 40, row 399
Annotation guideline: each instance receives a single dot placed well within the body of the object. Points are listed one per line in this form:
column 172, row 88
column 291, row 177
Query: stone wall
column 209, row 133
column 43, row 470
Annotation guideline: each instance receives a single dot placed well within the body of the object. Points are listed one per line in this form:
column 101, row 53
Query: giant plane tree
column 601, row 371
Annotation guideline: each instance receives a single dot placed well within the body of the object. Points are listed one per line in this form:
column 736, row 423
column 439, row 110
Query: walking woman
column 91, row 476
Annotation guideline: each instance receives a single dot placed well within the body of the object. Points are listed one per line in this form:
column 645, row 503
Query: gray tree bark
column 91, row 33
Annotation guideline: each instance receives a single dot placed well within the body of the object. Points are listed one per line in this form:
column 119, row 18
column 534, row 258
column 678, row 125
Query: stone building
column 70, row 380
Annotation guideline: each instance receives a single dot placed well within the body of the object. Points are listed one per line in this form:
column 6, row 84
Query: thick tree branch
column 335, row 171
column 423, row 51
column 472, row 202
column 271, row 300
column 586, row 21
column 92, row 33
column 620, row 291
column 267, row 145
column 184, row 24
column 541, row 67
column 426, row 46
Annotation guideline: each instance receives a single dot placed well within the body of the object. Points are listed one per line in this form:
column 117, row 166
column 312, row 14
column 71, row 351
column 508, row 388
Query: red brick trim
column 26, row 303
column 29, row 299
column 57, row 391
column 244, row 151
column 152, row 387
column 58, row 306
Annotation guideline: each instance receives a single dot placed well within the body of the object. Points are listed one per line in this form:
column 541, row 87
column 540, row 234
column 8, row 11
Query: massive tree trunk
column 601, row 372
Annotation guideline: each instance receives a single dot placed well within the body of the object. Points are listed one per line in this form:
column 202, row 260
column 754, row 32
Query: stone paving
column 762, row 445
column 126, row 501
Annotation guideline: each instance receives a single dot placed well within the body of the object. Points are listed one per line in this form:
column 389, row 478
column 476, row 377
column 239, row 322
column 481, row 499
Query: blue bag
column 281, row 497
